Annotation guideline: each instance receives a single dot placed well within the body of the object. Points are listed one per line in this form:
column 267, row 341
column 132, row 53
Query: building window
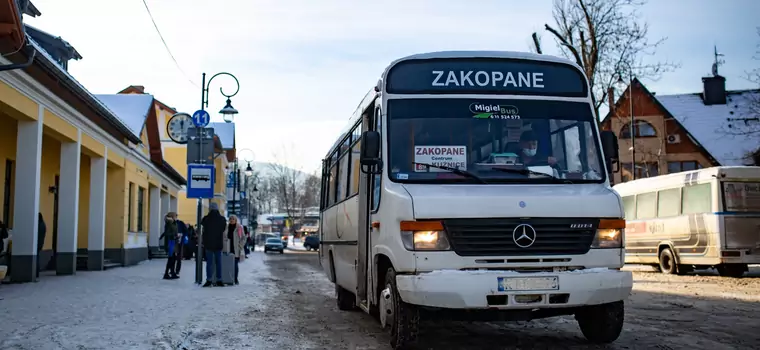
column 129, row 207
column 677, row 167
column 140, row 209
column 643, row 170
column 640, row 129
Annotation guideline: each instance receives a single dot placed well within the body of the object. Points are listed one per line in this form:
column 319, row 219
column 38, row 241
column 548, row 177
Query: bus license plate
column 509, row 284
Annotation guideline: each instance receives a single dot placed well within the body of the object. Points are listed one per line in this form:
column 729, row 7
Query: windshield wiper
column 527, row 172
column 457, row 171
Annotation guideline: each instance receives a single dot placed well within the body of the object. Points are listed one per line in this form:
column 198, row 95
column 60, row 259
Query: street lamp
column 248, row 170
column 228, row 112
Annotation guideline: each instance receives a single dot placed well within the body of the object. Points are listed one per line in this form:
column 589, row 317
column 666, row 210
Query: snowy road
column 284, row 302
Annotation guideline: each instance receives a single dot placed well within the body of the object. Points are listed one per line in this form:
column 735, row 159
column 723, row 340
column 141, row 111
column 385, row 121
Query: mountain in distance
column 265, row 169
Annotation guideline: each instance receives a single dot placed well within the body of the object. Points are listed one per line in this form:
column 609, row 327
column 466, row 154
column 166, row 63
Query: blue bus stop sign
column 200, row 181
column 201, row 118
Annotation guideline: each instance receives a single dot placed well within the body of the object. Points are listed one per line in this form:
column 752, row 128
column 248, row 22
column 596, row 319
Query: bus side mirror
column 369, row 157
column 610, row 150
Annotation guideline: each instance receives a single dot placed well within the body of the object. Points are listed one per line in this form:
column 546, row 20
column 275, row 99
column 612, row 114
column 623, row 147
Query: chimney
column 714, row 90
column 610, row 97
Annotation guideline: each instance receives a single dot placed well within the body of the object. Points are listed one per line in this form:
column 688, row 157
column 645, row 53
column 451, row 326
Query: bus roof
column 679, row 179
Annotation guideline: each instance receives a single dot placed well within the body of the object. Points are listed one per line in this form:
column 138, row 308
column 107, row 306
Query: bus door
column 366, row 189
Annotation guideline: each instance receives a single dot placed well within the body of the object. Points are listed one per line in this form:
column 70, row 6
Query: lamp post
column 248, row 172
column 228, row 112
column 632, row 125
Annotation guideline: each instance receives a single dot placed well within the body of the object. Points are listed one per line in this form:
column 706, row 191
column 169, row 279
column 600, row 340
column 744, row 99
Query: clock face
column 178, row 127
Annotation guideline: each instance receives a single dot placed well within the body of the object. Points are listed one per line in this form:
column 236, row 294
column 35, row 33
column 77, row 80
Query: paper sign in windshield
column 448, row 156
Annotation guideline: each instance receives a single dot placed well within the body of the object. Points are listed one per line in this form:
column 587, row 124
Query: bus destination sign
column 485, row 76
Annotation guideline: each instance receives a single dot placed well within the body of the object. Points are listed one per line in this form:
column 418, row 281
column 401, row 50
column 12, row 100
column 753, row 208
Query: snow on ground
column 133, row 308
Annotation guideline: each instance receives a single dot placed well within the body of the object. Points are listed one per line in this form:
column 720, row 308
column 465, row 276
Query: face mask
column 530, row 152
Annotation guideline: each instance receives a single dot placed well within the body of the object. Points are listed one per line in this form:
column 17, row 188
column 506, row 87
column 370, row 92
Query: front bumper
column 456, row 289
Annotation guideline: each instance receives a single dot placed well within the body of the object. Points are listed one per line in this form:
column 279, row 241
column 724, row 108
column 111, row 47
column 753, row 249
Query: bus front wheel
column 402, row 318
column 601, row 324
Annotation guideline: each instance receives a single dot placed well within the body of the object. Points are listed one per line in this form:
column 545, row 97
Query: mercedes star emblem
column 524, row 235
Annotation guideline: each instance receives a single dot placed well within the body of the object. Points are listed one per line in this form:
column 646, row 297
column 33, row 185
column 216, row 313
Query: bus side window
column 669, row 203
column 697, row 199
column 629, row 206
column 377, row 177
column 646, row 205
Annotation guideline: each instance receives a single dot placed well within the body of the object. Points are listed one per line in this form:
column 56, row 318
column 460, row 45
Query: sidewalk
column 132, row 307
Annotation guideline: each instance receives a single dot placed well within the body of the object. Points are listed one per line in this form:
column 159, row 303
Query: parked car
column 311, row 242
column 274, row 244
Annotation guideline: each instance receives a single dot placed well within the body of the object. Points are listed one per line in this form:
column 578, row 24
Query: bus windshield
column 496, row 140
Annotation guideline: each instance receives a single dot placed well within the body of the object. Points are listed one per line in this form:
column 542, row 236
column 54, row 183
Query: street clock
column 178, row 127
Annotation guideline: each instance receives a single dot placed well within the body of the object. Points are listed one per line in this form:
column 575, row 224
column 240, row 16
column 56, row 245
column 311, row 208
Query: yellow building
column 176, row 155
column 93, row 174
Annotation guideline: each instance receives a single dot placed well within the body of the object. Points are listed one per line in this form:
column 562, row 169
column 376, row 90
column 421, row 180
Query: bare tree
column 606, row 38
column 286, row 183
column 309, row 196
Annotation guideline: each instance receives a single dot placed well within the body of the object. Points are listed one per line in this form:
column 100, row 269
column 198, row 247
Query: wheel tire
column 601, row 324
column 732, row 270
column 282, row 252
column 668, row 262
column 346, row 299
column 406, row 317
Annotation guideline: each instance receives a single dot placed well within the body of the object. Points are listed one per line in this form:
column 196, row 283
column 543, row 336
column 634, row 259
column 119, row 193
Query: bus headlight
column 424, row 235
column 608, row 238
column 425, row 240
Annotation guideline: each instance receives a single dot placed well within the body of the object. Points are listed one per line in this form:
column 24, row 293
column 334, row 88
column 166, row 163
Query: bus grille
column 493, row 237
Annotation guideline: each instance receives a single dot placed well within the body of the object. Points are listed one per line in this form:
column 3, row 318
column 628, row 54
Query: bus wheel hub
column 387, row 307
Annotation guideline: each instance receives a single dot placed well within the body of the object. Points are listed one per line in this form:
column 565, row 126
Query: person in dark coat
column 247, row 241
column 170, row 237
column 181, row 244
column 41, row 231
column 214, row 231
column 190, row 247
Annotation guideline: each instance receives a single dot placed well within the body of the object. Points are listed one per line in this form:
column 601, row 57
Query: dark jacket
column 41, row 230
column 182, row 229
column 170, row 232
column 214, row 227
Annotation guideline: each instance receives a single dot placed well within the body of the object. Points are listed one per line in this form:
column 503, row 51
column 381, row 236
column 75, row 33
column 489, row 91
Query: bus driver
column 528, row 148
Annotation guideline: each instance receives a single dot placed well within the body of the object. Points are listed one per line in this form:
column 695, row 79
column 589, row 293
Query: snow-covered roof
column 108, row 114
column 718, row 128
column 226, row 134
column 131, row 109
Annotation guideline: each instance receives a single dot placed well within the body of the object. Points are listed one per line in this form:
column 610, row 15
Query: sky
column 304, row 65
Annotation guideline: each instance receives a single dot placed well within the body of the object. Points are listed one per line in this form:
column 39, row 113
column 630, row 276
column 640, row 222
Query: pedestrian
column 190, row 247
column 247, row 244
column 180, row 246
column 236, row 241
column 214, row 227
column 41, row 231
column 170, row 237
